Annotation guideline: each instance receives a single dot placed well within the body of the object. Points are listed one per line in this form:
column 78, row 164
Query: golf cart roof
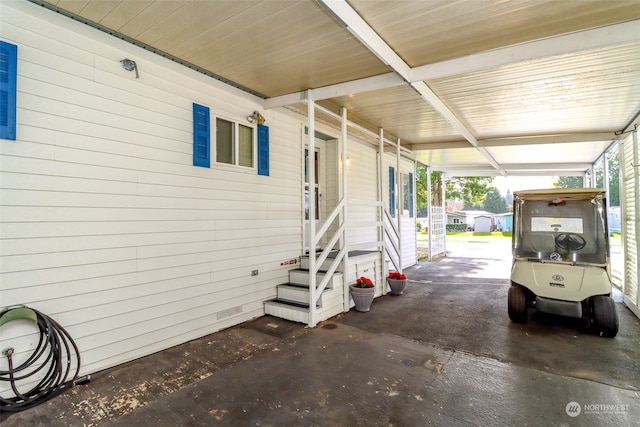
column 565, row 193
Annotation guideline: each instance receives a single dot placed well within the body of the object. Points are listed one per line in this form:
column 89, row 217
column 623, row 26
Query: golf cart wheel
column 605, row 316
column 517, row 304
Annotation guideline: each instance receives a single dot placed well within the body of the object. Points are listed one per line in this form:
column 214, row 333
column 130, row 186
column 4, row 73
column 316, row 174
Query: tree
column 614, row 180
column 467, row 189
column 421, row 190
column 472, row 189
column 570, row 182
column 509, row 199
column 494, row 202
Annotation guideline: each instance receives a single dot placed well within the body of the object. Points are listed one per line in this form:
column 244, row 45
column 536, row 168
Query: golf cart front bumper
column 558, row 307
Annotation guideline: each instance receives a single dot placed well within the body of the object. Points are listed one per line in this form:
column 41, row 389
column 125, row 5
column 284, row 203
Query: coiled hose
column 52, row 360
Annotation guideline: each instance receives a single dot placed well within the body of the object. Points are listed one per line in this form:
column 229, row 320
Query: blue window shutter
column 201, row 136
column 8, row 78
column 410, row 195
column 392, row 191
column 263, row 150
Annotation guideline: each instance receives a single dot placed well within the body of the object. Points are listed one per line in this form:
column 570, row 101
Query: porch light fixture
column 130, row 65
column 256, row 117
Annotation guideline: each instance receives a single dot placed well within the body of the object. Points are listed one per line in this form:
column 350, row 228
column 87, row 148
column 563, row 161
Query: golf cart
column 561, row 260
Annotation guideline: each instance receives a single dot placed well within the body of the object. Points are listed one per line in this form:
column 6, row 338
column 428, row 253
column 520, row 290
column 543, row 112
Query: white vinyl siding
column 630, row 186
column 362, row 193
column 106, row 226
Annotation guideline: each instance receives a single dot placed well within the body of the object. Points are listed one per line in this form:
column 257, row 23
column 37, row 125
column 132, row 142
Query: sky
column 515, row 183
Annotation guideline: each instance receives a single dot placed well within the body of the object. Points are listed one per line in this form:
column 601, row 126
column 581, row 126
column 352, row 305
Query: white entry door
column 313, row 191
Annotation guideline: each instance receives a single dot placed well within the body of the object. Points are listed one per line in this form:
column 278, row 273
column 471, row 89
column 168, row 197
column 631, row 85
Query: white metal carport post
column 344, row 241
column 443, row 189
column 381, row 213
column 399, row 206
column 311, row 173
column 605, row 176
column 429, row 213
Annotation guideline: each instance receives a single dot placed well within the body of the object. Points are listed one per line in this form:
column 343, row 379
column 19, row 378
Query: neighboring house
column 456, row 218
column 465, row 217
column 145, row 212
column 482, row 221
column 503, row 221
column 613, row 219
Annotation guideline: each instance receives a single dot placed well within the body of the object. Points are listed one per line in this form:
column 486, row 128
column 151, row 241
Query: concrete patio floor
column 444, row 353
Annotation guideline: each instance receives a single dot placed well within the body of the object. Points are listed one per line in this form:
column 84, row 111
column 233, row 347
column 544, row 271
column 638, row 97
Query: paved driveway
column 444, row 353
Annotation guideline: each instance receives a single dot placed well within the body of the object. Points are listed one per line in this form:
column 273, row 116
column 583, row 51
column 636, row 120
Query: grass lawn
column 615, row 239
column 472, row 237
column 498, row 237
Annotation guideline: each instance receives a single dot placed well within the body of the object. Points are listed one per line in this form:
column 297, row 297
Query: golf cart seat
column 536, row 242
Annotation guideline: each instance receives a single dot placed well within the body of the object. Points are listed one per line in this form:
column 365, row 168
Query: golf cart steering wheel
column 570, row 241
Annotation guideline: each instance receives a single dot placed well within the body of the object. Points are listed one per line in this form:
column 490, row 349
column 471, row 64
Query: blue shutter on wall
column 392, row 191
column 8, row 78
column 201, row 136
column 263, row 150
column 410, row 195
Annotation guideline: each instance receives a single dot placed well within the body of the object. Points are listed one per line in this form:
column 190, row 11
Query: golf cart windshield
column 561, row 227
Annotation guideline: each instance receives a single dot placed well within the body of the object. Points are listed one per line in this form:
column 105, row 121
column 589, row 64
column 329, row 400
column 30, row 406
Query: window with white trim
column 235, row 143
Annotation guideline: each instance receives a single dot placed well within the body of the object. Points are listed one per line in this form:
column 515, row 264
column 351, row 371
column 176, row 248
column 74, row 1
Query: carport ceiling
column 473, row 87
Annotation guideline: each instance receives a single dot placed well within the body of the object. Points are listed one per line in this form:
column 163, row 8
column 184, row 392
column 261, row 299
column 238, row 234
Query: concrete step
column 304, row 259
column 301, row 276
column 287, row 310
column 298, row 312
column 304, row 263
column 297, row 293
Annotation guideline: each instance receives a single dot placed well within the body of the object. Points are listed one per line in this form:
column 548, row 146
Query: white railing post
column 311, row 173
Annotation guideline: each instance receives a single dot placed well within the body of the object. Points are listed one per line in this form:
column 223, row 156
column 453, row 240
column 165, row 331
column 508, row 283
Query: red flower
column 364, row 282
column 395, row 275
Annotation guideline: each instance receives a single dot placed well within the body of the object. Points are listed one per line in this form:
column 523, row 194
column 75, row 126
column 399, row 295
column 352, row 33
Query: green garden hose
column 50, row 363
